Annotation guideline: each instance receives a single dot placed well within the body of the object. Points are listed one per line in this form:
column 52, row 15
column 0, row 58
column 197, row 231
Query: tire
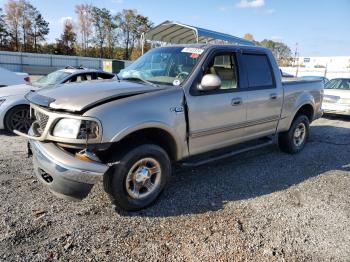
column 18, row 118
column 134, row 173
column 288, row 141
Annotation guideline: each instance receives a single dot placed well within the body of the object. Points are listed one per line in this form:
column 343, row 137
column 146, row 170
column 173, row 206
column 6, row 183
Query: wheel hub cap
column 143, row 178
column 142, row 175
column 299, row 134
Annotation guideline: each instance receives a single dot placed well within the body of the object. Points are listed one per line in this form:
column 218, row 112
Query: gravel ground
column 259, row 206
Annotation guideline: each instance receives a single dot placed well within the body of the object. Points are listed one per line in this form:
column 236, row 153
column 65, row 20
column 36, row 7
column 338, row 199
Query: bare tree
column 13, row 17
column 84, row 15
column 65, row 44
column 4, row 34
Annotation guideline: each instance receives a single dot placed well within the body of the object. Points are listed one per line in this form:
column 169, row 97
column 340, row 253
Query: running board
column 198, row 161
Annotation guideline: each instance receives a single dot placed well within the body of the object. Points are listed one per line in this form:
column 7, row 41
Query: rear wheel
column 18, row 118
column 294, row 140
column 139, row 177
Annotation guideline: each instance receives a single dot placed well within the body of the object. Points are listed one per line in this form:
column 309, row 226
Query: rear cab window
column 258, row 71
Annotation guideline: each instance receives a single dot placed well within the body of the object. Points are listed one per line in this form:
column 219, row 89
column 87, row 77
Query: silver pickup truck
column 188, row 104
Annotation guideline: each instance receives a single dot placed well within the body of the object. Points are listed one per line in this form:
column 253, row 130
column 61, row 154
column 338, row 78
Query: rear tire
column 18, row 118
column 139, row 177
column 294, row 140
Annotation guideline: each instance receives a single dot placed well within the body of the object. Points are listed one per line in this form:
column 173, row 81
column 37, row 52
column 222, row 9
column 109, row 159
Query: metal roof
column 177, row 33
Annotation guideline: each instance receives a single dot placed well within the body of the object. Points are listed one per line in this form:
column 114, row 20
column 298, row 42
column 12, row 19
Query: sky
column 319, row 27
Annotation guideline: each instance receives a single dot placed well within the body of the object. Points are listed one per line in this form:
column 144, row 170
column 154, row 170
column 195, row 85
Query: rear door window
column 258, row 71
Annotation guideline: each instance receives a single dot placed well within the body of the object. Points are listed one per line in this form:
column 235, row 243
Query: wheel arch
column 157, row 135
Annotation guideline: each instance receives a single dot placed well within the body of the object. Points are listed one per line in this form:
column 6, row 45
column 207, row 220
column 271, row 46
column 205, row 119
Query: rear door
column 216, row 117
column 264, row 95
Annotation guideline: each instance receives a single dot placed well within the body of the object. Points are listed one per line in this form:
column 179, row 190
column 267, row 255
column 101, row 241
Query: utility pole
column 296, row 59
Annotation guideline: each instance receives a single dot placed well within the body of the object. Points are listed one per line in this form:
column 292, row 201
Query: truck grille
column 41, row 120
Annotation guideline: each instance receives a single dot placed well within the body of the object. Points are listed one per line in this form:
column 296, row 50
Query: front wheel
column 294, row 140
column 139, row 177
column 18, row 118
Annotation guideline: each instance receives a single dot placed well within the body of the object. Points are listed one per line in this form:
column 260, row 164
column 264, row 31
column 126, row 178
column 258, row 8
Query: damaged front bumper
column 62, row 173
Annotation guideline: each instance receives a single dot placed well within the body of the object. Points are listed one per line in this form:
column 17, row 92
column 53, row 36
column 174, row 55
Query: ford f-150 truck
column 187, row 104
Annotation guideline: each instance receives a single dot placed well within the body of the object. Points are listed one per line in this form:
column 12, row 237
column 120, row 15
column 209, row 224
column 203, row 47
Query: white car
column 8, row 78
column 337, row 97
column 14, row 108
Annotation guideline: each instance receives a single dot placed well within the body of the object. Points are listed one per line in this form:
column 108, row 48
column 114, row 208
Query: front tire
column 294, row 140
column 139, row 177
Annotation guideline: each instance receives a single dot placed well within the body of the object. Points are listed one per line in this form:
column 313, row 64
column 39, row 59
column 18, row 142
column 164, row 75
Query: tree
column 65, row 44
column 84, row 14
column 100, row 18
column 280, row 50
column 4, row 34
column 131, row 25
column 248, row 37
column 40, row 29
column 13, row 16
column 27, row 13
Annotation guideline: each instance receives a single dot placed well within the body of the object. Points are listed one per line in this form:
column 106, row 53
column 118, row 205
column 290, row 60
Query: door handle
column 273, row 96
column 236, row 101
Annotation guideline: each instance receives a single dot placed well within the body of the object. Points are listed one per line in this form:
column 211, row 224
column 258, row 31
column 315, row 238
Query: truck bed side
column 299, row 93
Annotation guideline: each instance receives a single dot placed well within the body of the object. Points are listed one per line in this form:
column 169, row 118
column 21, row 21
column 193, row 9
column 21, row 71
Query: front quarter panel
column 122, row 117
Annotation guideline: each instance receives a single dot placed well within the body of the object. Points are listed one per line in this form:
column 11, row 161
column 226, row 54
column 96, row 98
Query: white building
column 329, row 62
column 328, row 66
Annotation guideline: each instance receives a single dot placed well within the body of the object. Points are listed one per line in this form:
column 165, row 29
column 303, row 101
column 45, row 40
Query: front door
column 216, row 117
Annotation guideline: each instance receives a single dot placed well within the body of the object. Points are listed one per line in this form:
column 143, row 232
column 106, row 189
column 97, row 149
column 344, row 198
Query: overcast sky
column 320, row 27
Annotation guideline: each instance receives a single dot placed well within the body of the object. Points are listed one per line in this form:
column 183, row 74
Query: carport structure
column 177, row 33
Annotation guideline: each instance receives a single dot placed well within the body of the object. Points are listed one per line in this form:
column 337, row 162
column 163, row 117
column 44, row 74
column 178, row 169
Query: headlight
column 76, row 129
column 2, row 100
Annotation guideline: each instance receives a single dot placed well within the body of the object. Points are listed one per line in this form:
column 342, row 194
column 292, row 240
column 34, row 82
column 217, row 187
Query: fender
column 181, row 146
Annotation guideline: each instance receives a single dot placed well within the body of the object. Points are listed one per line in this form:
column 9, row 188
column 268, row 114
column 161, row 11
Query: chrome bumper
column 63, row 174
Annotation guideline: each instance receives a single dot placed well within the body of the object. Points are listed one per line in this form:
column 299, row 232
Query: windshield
column 338, row 84
column 165, row 66
column 51, row 79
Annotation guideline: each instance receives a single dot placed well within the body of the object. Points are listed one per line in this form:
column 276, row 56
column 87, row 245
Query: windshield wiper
column 140, row 79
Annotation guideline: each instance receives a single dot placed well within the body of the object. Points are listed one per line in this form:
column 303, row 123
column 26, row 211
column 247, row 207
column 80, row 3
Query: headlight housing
column 76, row 129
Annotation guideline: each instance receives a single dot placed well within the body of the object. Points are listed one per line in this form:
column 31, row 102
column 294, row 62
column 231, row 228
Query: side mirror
column 210, row 82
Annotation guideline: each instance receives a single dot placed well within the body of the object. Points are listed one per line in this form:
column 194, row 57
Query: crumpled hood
column 16, row 90
column 79, row 97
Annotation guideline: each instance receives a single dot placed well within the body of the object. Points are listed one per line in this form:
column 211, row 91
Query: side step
column 228, row 152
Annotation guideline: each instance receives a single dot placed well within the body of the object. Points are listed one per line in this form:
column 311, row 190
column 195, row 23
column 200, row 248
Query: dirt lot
column 259, row 206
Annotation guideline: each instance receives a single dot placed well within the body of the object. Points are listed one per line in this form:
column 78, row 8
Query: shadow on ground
column 250, row 175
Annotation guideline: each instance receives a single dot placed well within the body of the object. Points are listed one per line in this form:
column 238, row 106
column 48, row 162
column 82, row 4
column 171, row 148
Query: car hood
column 82, row 96
column 16, row 90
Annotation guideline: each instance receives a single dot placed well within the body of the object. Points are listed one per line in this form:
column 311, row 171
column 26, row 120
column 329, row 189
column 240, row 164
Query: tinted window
column 258, row 70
